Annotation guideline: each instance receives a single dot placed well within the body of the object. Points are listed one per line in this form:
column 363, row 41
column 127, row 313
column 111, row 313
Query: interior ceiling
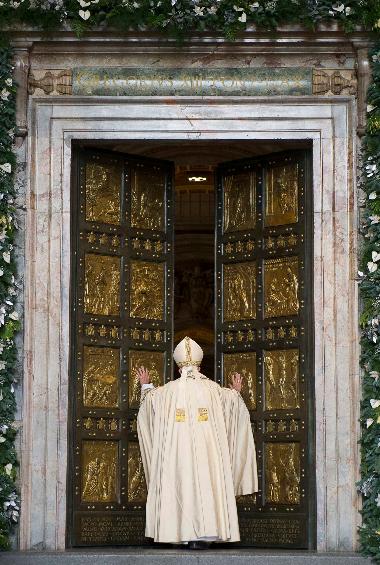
column 201, row 155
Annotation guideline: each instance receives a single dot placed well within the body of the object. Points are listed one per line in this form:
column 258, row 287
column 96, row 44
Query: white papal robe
column 198, row 453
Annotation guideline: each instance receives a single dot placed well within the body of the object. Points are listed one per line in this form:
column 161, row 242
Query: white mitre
column 188, row 353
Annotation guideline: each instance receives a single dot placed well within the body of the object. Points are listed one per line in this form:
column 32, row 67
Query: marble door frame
column 329, row 123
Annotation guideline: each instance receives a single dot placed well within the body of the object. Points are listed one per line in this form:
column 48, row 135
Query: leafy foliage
column 178, row 17
column 370, row 323
column 9, row 323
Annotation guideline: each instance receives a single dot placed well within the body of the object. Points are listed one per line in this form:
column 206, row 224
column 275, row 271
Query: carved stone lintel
column 51, row 82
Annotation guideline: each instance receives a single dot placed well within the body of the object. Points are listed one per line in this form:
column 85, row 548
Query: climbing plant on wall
column 176, row 17
column 370, row 321
column 9, row 317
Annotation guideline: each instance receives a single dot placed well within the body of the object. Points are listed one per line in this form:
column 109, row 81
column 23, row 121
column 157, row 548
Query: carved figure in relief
column 147, row 290
column 136, row 478
column 281, row 287
column 281, row 379
column 102, row 284
column 103, row 184
column 191, row 432
column 282, row 473
column 245, row 365
column 239, row 199
column 148, row 195
column 239, row 291
column 154, row 361
column 99, row 471
column 100, row 377
column 282, row 195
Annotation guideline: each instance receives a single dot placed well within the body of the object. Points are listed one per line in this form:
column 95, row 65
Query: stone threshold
column 145, row 556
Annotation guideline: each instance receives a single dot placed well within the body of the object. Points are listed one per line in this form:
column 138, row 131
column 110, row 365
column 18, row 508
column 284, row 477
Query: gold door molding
column 264, row 332
column 121, row 319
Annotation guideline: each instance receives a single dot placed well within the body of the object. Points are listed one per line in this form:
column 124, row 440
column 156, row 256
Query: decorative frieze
column 334, row 82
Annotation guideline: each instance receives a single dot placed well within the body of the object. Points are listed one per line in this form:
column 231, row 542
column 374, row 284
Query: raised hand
column 236, row 382
column 143, row 375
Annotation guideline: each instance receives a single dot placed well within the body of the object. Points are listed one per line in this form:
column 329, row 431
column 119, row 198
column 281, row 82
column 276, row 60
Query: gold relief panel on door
column 101, row 376
column 137, row 490
column 282, row 473
column 245, row 364
column 239, row 291
column 281, row 284
column 103, row 183
column 102, row 284
column 239, row 201
column 100, row 463
column 147, row 198
column 147, row 290
column 281, row 376
column 154, row 361
column 281, row 196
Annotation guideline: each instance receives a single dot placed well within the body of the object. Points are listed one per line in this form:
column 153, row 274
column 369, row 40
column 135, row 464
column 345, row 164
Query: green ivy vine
column 9, row 317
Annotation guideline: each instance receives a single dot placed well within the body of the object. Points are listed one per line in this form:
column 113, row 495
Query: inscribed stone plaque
column 151, row 81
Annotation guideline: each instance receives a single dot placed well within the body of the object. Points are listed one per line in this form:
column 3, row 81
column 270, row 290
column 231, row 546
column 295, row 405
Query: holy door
column 121, row 319
column 264, row 332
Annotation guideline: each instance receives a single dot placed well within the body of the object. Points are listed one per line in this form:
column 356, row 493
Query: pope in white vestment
column 198, row 453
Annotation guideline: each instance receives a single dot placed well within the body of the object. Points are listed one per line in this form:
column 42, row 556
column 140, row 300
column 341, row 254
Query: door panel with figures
column 264, row 331
column 121, row 298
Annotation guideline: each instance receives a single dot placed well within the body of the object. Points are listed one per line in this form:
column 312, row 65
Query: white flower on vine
column 374, row 219
column 212, row 10
column 8, row 468
column 374, row 403
column 6, row 167
column 374, row 375
column 8, row 82
column 375, row 256
column 7, row 256
column 254, row 6
column 14, row 315
column 84, row 4
column 372, row 267
column 377, row 500
column 372, row 195
column 371, row 170
column 84, row 14
column 376, row 57
column 243, row 18
column 369, row 422
column 199, row 10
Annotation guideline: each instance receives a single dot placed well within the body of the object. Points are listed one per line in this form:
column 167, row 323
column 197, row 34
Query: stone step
column 140, row 556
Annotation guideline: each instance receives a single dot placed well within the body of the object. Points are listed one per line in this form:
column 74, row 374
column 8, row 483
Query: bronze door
column 122, row 289
column 264, row 331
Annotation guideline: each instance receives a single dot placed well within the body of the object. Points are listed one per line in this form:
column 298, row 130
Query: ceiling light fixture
column 197, row 179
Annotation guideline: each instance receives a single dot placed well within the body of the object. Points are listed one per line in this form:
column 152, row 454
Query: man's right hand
column 143, row 375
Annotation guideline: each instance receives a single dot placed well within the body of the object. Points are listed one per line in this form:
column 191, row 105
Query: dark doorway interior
column 194, row 265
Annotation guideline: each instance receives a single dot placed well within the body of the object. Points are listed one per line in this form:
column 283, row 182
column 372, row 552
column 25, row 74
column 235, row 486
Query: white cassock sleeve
column 241, row 442
column 145, row 419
